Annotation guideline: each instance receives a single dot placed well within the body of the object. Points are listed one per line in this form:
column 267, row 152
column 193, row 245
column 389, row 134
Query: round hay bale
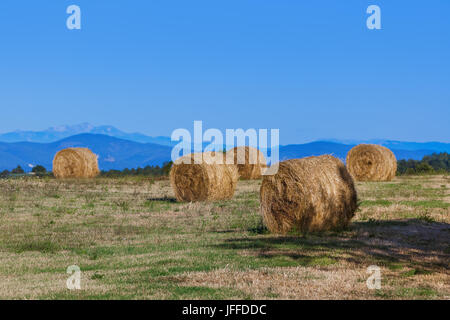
column 209, row 180
column 308, row 195
column 371, row 162
column 75, row 163
column 250, row 162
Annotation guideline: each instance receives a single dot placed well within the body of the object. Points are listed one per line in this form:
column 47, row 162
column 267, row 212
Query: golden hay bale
column 371, row 162
column 308, row 195
column 209, row 180
column 250, row 162
column 75, row 163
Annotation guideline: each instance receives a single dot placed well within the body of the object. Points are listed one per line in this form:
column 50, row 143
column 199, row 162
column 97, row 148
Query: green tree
column 166, row 168
column 429, row 164
column 39, row 170
column 4, row 174
column 424, row 167
column 18, row 170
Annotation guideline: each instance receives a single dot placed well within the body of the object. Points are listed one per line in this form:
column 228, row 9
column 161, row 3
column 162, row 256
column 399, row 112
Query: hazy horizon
column 59, row 128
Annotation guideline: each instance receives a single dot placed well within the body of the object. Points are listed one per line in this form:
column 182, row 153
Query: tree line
column 435, row 163
column 153, row 171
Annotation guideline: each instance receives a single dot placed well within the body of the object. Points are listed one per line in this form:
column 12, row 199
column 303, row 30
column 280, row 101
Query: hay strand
column 75, row 163
column 308, row 195
column 370, row 162
column 209, row 180
column 250, row 162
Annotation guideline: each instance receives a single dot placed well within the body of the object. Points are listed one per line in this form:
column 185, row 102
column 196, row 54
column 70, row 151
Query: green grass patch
column 376, row 203
column 43, row 246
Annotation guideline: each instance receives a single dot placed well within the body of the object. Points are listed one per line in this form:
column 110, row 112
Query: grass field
column 132, row 240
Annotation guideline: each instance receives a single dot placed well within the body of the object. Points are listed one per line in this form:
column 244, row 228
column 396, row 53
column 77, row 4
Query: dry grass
column 75, row 163
column 203, row 177
column 309, row 194
column 132, row 240
column 250, row 162
column 371, row 162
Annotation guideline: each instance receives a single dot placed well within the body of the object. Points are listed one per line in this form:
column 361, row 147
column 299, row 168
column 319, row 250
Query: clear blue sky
column 310, row 68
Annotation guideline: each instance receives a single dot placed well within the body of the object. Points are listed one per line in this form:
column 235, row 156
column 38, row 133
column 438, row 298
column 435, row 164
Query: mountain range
column 117, row 153
column 113, row 153
column 54, row 134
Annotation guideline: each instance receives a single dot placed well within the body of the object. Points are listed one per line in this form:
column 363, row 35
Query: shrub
column 4, row 174
column 39, row 169
column 18, row 170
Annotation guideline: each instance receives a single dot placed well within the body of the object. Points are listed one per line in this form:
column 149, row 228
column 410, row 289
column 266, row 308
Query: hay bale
column 308, row 195
column 209, row 180
column 75, row 163
column 371, row 162
column 249, row 170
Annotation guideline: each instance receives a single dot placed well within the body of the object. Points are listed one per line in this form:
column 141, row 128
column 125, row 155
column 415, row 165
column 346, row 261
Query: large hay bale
column 250, row 162
column 371, row 162
column 75, row 163
column 209, row 180
column 308, row 195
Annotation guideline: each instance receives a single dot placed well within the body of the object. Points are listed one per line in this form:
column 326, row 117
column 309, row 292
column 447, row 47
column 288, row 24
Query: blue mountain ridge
column 115, row 153
column 400, row 145
column 54, row 134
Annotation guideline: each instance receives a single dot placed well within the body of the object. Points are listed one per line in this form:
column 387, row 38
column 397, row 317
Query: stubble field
column 132, row 240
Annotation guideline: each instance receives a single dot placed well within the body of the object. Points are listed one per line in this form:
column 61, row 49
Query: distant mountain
column 115, row 153
column 340, row 151
column 54, row 134
column 401, row 145
column 58, row 133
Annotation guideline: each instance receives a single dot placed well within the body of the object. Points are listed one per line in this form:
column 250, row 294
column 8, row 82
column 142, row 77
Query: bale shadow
column 409, row 242
column 163, row 199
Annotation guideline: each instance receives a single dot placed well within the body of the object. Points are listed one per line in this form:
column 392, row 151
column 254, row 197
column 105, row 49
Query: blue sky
column 310, row 68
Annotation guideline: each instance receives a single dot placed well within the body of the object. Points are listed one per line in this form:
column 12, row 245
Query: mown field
column 132, row 240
